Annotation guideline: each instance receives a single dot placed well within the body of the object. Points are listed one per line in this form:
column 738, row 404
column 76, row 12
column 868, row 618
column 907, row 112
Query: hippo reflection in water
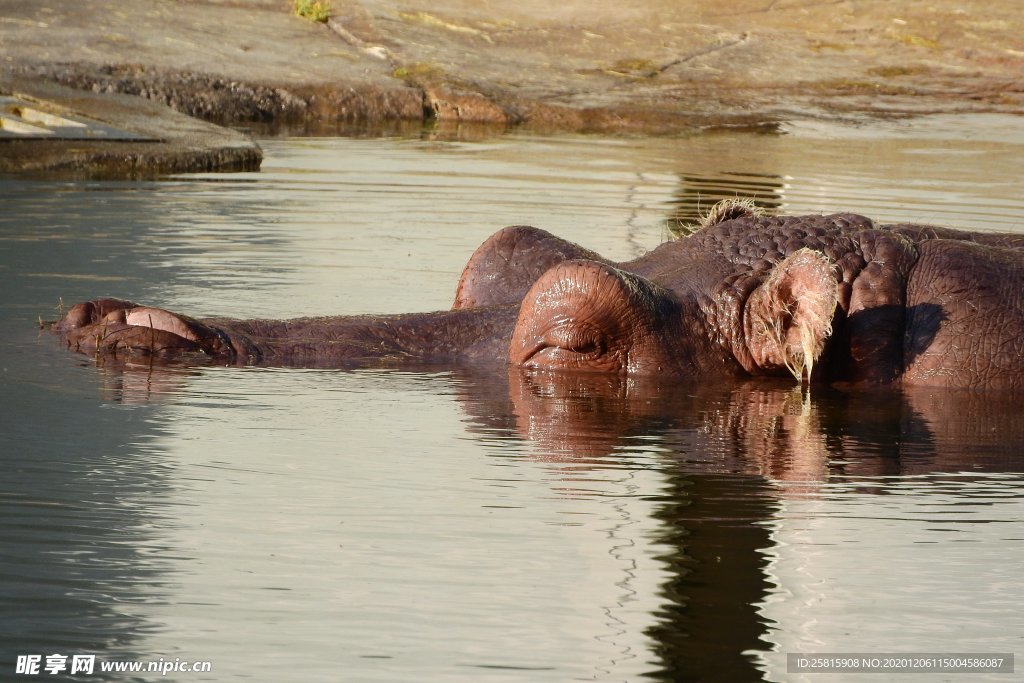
column 826, row 298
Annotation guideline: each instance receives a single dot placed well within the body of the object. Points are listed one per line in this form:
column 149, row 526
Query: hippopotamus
column 826, row 298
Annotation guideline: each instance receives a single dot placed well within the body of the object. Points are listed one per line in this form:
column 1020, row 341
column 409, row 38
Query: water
column 297, row 525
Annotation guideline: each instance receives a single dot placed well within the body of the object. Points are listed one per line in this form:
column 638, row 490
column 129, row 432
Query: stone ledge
column 159, row 141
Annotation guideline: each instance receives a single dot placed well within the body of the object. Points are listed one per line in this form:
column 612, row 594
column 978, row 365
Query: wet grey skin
column 831, row 298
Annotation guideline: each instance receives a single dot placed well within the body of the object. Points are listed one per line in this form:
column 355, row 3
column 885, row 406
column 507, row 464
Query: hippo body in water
column 832, row 298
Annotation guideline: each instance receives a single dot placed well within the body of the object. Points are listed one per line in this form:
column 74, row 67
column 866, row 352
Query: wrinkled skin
column 826, row 298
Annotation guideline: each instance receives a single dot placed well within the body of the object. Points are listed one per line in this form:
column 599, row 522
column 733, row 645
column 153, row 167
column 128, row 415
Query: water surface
column 298, row 525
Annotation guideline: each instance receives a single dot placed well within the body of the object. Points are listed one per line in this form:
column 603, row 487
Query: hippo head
column 584, row 315
column 743, row 294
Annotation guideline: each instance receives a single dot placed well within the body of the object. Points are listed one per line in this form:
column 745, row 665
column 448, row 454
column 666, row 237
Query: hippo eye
column 580, row 339
column 572, row 345
column 588, row 316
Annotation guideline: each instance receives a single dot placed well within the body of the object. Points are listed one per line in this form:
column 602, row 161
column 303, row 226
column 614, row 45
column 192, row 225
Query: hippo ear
column 788, row 319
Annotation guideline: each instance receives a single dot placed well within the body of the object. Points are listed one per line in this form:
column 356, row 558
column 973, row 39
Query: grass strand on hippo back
column 824, row 298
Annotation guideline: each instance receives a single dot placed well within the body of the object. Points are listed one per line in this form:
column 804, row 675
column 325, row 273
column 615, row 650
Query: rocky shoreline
column 657, row 68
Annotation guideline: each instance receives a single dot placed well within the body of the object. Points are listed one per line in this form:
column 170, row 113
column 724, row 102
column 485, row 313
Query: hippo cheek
column 588, row 316
column 189, row 333
column 159, row 319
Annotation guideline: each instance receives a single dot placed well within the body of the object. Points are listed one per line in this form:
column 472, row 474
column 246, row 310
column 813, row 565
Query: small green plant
column 913, row 39
column 634, row 66
column 314, row 10
column 419, row 73
column 895, row 71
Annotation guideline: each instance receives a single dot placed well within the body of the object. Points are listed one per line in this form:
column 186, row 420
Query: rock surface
column 159, row 140
column 583, row 65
